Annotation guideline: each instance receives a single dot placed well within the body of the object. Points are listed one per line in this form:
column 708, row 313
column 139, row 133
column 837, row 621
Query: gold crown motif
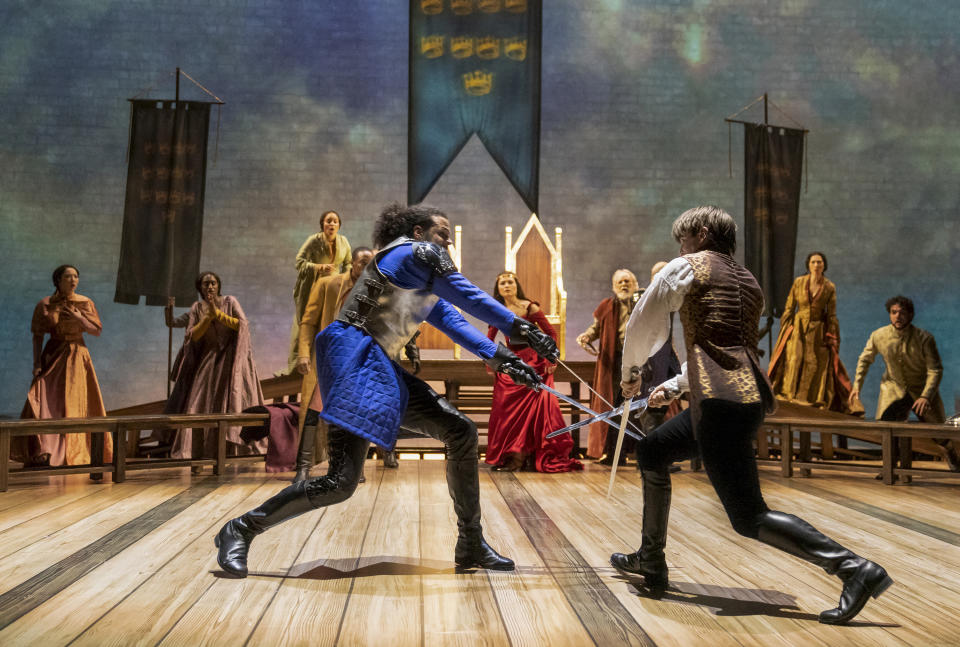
column 515, row 48
column 431, row 46
column 488, row 47
column 431, row 7
column 461, row 46
column 461, row 7
column 478, row 83
column 489, row 6
column 516, row 6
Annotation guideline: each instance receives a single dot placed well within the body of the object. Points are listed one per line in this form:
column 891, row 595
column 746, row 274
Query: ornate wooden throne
column 538, row 265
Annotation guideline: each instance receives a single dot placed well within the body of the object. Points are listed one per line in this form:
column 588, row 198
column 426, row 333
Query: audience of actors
column 214, row 371
column 805, row 367
column 322, row 254
column 912, row 379
column 64, row 383
column 609, row 323
column 326, row 297
column 520, row 417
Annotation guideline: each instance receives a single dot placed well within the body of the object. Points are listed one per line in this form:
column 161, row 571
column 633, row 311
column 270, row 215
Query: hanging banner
column 773, row 165
column 163, row 212
column 474, row 68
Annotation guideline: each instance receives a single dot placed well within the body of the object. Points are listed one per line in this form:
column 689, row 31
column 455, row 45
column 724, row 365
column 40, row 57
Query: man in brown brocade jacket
column 719, row 303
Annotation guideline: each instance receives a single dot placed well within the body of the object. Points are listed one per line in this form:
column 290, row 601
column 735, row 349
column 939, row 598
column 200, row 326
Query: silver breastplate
column 389, row 314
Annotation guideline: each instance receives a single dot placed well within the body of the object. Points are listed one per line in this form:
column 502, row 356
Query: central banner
column 474, row 69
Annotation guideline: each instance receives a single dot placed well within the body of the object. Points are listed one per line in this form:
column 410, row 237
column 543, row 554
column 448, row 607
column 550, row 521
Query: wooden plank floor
column 83, row 563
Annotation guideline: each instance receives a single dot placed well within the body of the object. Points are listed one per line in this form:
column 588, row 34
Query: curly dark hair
column 398, row 220
column 58, row 274
column 902, row 301
column 199, row 282
column 806, row 263
column 496, row 287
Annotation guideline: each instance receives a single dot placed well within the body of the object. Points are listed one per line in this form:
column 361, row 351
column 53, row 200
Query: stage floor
column 134, row 564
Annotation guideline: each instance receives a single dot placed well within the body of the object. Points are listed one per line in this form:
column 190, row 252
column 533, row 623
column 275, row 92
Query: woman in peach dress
column 64, row 382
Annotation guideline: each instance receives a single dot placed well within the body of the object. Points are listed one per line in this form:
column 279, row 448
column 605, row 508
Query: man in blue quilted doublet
column 368, row 397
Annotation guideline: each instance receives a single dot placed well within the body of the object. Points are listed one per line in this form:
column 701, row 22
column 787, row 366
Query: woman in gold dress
column 805, row 367
column 323, row 254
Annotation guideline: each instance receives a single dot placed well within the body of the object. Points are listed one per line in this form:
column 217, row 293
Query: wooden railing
column 895, row 440
column 124, row 430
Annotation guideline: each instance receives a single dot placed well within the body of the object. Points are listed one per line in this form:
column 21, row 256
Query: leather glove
column 523, row 331
column 506, row 362
column 412, row 351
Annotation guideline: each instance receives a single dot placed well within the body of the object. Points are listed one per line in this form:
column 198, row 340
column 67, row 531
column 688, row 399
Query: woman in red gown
column 520, row 418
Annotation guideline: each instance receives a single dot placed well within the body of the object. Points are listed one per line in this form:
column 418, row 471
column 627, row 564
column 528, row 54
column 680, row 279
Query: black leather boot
column 650, row 561
column 390, row 459
column 234, row 539
column 305, row 452
column 472, row 551
column 861, row 577
column 347, row 453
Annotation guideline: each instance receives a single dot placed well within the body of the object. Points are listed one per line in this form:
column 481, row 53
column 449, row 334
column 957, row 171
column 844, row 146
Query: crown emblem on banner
column 461, row 7
column 488, row 47
column 515, row 48
column 431, row 7
column 516, row 6
column 478, row 83
column 431, row 46
column 461, row 46
column 489, row 6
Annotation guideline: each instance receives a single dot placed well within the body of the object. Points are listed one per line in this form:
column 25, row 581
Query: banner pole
column 166, row 378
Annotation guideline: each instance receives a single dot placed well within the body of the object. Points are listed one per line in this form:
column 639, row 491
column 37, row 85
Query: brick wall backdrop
column 633, row 103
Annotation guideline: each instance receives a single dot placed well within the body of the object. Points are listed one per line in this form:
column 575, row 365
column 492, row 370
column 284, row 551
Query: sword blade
column 593, row 391
column 616, row 452
column 566, row 398
column 605, row 417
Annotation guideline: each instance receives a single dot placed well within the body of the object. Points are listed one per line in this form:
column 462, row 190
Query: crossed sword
column 630, row 405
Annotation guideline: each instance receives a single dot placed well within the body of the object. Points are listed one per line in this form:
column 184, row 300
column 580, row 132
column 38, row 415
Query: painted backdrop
column 634, row 96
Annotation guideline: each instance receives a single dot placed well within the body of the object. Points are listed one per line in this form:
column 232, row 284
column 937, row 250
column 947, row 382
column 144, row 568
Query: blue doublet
column 361, row 387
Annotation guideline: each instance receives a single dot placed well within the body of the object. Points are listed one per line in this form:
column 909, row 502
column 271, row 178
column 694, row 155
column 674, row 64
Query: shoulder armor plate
column 434, row 257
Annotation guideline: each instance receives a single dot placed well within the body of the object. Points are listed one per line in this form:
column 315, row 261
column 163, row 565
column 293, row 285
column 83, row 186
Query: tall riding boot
column 233, row 540
column 463, row 482
column 861, row 578
column 390, row 459
column 346, row 464
column 650, row 561
column 305, row 452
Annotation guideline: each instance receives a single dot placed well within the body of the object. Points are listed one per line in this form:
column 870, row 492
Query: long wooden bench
column 894, row 438
column 121, row 428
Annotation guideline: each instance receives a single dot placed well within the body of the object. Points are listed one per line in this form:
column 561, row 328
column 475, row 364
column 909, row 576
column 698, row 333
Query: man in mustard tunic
column 912, row 378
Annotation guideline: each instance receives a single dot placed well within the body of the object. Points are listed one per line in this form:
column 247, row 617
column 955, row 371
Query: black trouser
column 725, row 444
column 427, row 414
column 724, row 441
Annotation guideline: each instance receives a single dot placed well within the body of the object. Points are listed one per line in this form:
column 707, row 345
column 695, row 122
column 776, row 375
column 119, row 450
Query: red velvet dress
column 520, row 417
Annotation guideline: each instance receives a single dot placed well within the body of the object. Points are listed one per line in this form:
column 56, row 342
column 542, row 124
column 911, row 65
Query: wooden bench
column 894, row 438
column 122, row 429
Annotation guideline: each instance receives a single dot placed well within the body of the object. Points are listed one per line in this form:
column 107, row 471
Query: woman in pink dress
column 214, row 372
column 64, row 382
column 520, row 418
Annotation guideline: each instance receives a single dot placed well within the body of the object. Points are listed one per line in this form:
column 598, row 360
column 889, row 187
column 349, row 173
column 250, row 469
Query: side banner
column 163, row 211
column 474, row 68
column 773, row 166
